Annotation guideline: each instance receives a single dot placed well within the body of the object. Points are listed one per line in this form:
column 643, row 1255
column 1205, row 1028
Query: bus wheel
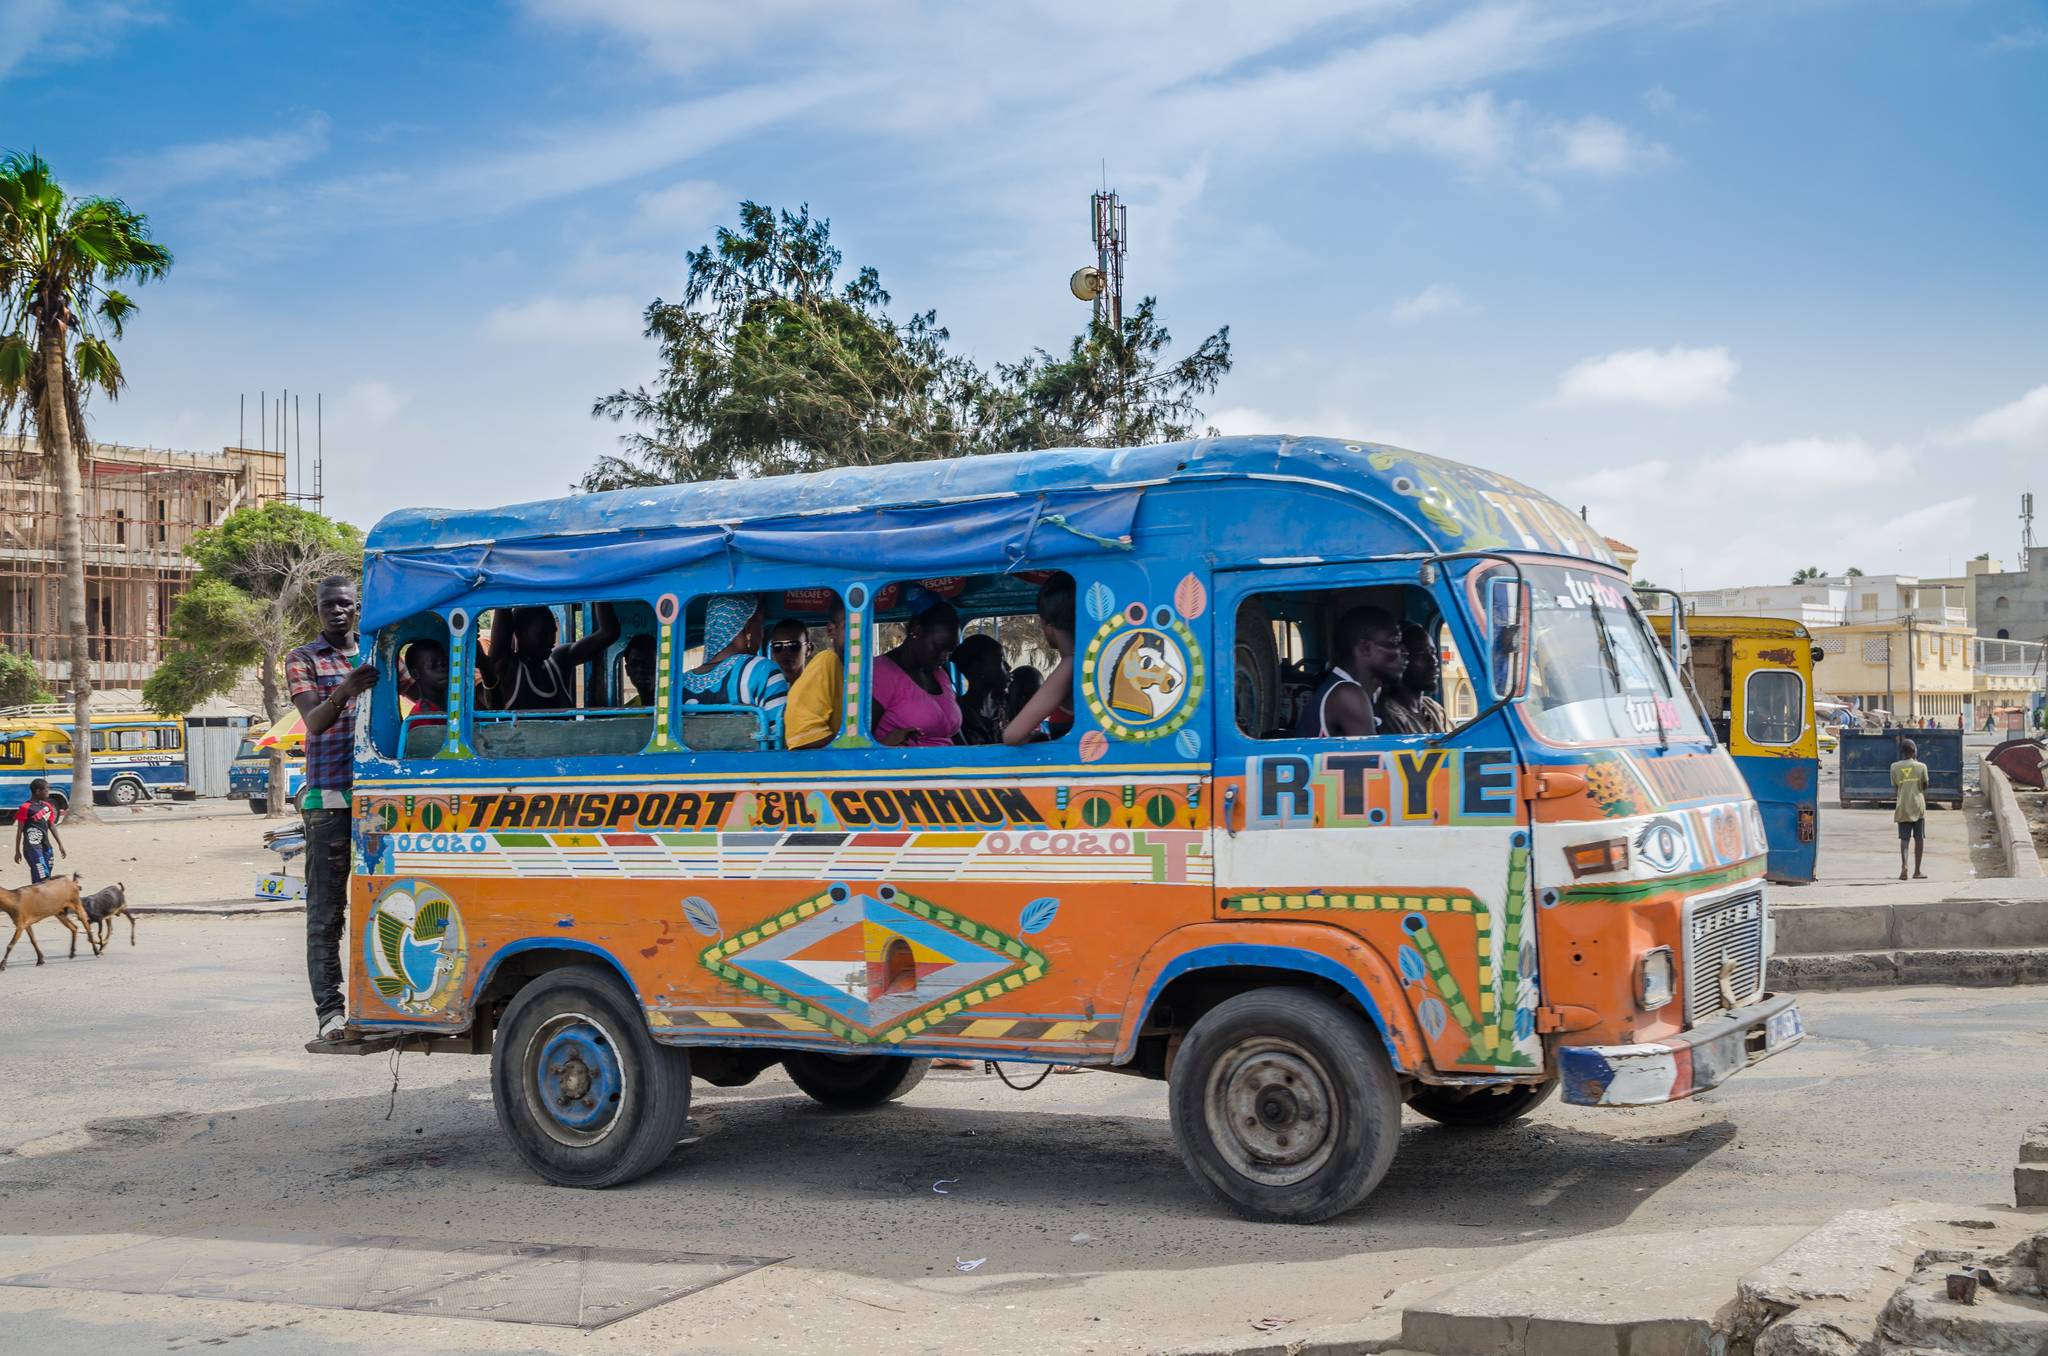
column 587, row 1097
column 853, row 1082
column 259, row 805
column 1479, row 1108
column 1284, row 1106
column 124, row 793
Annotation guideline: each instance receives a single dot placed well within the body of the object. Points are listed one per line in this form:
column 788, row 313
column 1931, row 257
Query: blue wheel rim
column 575, row 1081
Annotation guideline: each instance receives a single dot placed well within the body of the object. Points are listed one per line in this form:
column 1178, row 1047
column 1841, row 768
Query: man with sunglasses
column 786, row 648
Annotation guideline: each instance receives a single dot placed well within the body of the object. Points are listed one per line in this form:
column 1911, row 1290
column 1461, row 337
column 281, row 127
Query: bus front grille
column 1724, row 940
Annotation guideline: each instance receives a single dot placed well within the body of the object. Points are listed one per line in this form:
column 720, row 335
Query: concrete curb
column 1991, row 913
column 2015, row 836
column 236, row 910
column 1974, row 969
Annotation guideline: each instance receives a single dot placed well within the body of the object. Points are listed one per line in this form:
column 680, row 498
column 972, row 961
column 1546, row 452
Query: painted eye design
column 1403, row 485
column 1660, row 845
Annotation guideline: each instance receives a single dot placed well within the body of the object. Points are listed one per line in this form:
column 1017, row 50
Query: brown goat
column 55, row 898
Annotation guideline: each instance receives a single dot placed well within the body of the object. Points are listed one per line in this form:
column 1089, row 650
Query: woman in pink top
column 913, row 695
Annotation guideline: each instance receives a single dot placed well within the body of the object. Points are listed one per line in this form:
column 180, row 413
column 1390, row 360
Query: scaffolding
column 142, row 507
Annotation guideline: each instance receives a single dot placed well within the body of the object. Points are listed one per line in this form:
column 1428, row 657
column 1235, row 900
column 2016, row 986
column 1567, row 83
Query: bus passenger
column 914, row 705
column 984, row 705
column 817, row 700
column 1367, row 645
column 786, row 648
column 640, row 669
column 1407, row 707
column 524, row 670
column 734, row 671
column 425, row 662
column 1052, row 704
column 1025, row 680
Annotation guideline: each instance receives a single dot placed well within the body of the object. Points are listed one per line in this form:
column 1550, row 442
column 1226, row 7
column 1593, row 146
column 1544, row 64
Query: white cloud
column 1597, row 146
column 53, row 31
column 369, row 404
column 604, row 319
column 1660, row 101
column 1673, row 378
column 2021, row 40
column 236, row 158
column 1801, row 464
column 687, row 206
column 1433, row 300
column 2021, row 423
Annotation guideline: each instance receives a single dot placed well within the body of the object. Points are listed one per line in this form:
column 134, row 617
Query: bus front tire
column 124, row 793
column 1481, row 1108
column 1284, row 1106
column 259, row 805
column 853, row 1082
column 585, row 1094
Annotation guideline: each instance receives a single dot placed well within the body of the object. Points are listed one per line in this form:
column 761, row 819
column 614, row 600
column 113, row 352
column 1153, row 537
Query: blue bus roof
column 1008, row 510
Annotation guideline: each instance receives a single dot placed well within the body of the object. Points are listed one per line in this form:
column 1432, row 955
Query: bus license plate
column 1783, row 1028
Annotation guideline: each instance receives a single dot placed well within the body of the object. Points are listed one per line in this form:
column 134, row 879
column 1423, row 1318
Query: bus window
column 734, row 688
column 419, row 648
column 959, row 658
column 1346, row 663
column 1773, row 704
column 542, row 681
column 13, row 752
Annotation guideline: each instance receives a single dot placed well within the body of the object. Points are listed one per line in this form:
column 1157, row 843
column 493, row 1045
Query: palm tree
column 59, row 260
column 1810, row 572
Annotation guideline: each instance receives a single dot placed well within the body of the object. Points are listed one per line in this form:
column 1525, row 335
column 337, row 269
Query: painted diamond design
column 874, row 967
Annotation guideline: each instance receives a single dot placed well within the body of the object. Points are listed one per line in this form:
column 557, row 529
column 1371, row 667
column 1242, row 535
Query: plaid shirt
column 319, row 668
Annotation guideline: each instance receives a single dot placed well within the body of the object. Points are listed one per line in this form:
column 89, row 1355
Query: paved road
column 161, row 1091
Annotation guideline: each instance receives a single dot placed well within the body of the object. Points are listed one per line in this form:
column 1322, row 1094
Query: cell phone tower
column 1102, row 282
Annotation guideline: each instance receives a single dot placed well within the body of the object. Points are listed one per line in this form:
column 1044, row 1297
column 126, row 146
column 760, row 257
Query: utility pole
column 1912, row 662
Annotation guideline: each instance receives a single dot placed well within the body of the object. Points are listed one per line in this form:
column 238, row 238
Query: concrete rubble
column 1865, row 1283
column 2030, row 1178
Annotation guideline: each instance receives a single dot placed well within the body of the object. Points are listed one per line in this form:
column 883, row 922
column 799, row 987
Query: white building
column 1841, row 600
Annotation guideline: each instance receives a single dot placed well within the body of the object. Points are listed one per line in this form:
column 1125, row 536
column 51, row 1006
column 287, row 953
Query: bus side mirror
column 1507, row 621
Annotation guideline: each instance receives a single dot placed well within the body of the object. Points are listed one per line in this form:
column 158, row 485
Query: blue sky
column 1760, row 284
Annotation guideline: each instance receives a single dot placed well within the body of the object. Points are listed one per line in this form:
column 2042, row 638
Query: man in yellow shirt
column 817, row 699
column 1909, row 781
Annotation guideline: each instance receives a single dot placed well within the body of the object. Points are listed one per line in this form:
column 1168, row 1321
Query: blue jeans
column 42, row 861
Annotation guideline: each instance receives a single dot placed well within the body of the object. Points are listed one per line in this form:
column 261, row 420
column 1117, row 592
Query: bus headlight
column 1656, row 979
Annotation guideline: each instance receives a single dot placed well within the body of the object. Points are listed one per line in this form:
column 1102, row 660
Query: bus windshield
column 1598, row 673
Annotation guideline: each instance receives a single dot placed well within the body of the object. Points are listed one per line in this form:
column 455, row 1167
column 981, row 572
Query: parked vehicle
column 1298, row 933
column 249, row 777
column 1867, row 759
column 137, row 755
column 1754, row 678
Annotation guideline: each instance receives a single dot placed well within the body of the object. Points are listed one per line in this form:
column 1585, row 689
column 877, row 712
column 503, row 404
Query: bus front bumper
column 1703, row 1057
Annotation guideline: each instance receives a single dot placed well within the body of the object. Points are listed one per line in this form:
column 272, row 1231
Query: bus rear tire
column 124, row 793
column 853, row 1082
column 1284, row 1106
column 1481, row 1108
column 585, row 1094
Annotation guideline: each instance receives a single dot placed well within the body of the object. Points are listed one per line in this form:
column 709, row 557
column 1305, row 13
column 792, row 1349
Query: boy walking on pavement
column 1909, row 783
column 324, row 677
column 35, row 829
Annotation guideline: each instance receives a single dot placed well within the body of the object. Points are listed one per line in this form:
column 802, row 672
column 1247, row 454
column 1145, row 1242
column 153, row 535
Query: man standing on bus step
column 324, row 677
column 1909, row 783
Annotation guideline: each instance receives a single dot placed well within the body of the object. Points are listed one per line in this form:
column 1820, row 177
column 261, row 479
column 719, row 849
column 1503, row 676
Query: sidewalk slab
column 1670, row 1294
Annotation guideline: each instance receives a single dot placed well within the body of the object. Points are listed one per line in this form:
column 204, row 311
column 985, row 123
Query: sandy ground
column 161, row 1090
column 195, row 852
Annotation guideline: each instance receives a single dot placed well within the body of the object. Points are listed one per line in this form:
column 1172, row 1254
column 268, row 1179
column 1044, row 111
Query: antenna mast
column 2026, row 527
column 1108, row 213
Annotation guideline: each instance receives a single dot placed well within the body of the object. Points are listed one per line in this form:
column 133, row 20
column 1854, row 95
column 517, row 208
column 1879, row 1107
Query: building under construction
column 142, row 507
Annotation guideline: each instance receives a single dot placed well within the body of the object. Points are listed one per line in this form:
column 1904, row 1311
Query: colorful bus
column 1754, row 678
column 1298, row 934
column 137, row 755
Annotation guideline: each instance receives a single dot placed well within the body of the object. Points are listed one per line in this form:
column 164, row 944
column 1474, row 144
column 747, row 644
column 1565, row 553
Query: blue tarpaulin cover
column 1010, row 511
